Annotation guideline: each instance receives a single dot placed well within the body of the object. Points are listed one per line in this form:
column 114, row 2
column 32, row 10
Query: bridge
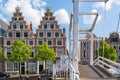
column 69, row 67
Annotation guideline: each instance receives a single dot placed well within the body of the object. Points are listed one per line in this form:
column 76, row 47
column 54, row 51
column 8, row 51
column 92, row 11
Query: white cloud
column 62, row 16
column 88, row 19
column 108, row 4
column 31, row 12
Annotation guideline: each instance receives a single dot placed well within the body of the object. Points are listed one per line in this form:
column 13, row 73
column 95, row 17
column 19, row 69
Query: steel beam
column 93, row 0
column 85, row 13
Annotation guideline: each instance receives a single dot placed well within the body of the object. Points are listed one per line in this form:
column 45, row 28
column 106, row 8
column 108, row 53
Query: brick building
column 85, row 48
column 114, row 40
column 48, row 31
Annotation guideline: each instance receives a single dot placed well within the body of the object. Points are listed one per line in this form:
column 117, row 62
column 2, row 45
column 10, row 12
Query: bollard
column 39, row 78
column 27, row 78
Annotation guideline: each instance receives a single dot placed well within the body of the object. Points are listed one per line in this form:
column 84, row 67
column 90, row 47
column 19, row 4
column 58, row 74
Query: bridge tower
column 76, row 32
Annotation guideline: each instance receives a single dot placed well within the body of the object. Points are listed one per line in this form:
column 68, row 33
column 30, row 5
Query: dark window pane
column 25, row 34
column 50, row 18
column 45, row 26
column 48, row 34
column 114, row 39
column 40, row 42
column 46, row 18
column 14, row 26
column 8, row 42
column 52, row 26
column 32, row 54
column 31, row 42
column 17, row 34
column 49, row 42
column 59, row 42
column 8, row 53
column 21, row 26
column 56, row 34
column 10, row 34
column 41, row 34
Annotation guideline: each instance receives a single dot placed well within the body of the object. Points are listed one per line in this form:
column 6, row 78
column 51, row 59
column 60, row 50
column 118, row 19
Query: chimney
column 31, row 25
column 64, row 30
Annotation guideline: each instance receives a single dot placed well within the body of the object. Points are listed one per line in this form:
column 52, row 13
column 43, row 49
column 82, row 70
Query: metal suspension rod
column 118, row 23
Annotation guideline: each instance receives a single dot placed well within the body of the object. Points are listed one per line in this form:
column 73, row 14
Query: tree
column 44, row 53
column 109, row 51
column 2, row 58
column 20, row 53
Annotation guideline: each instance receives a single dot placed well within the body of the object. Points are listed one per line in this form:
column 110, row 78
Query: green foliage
column 109, row 51
column 2, row 58
column 20, row 51
column 43, row 52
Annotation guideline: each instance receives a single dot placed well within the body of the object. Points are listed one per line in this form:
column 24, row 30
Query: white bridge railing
column 65, row 69
column 111, row 67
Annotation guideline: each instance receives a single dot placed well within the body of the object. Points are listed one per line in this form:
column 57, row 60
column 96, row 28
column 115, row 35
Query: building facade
column 114, row 40
column 85, row 48
column 48, row 31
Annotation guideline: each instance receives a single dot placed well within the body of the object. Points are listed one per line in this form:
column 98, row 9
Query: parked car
column 4, row 75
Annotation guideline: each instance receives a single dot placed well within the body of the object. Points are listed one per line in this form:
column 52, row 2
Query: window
column 59, row 42
column 40, row 42
column 56, row 34
column 45, row 26
column 8, row 42
column 17, row 34
column 48, row 34
column 16, row 67
column 30, row 42
column 10, row 34
column 21, row 26
column 84, row 44
column 41, row 34
column 49, row 42
column 83, row 54
column 50, row 18
column 25, row 34
column 114, row 39
column 15, row 19
column 32, row 67
column 59, row 52
column 9, row 66
column 8, row 51
column 52, row 26
column 14, row 26
column 46, row 19
column 32, row 54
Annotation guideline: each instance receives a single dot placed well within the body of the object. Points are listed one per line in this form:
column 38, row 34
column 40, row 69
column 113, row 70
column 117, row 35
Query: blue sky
column 33, row 10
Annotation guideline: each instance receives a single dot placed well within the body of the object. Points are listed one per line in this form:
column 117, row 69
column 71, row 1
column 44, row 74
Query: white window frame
column 39, row 34
column 8, row 66
column 33, row 42
column 39, row 40
column 16, row 67
column 32, row 67
column 51, row 41
column 48, row 32
column 55, row 32
column 59, row 40
column 58, row 49
column 24, row 34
